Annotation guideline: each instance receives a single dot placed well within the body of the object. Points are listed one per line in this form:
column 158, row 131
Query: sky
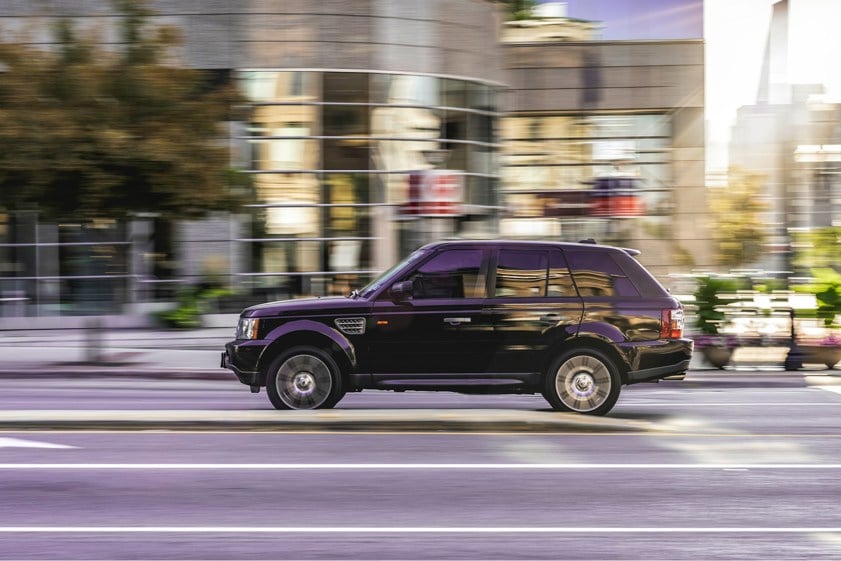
column 734, row 32
column 735, row 35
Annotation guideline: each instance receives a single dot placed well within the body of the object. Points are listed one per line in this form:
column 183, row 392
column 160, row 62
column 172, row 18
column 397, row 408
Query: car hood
column 307, row 306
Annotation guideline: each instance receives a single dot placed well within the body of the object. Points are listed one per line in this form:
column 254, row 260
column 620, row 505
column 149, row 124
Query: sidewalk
column 119, row 352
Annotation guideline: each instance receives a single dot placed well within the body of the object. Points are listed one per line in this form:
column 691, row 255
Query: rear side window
column 521, row 273
column 597, row 274
column 453, row 273
column 560, row 280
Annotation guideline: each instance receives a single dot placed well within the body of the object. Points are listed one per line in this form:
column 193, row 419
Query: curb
column 404, row 420
column 93, row 371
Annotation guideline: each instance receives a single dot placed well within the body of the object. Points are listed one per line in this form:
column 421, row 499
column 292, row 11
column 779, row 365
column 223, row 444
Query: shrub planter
column 821, row 354
column 719, row 357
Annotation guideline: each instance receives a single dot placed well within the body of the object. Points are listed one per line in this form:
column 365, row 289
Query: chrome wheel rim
column 583, row 383
column 303, row 382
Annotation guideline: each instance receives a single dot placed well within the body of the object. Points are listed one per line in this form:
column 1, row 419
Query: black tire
column 304, row 378
column 582, row 381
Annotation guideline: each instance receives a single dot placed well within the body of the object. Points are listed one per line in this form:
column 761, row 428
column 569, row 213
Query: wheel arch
column 337, row 346
column 585, row 342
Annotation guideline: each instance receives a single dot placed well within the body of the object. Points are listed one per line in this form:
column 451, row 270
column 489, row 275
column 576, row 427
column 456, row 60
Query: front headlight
column 247, row 328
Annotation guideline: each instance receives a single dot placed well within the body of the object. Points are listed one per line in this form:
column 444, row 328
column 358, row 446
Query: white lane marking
column 21, row 443
column 836, row 389
column 727, row 404
column 413, row 530
column 418, row 466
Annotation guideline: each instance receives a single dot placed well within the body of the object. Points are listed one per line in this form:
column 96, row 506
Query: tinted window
column 596, row 274
column 560, row 281
column 641, row 278
column 455, row 273
column 521, row 273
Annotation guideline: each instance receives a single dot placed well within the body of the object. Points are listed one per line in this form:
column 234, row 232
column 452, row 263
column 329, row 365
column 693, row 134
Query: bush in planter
column 828, row 294
column 825, row 349
column 187, row 312
column 192, row 303
column 708, row 302
column 716, row 348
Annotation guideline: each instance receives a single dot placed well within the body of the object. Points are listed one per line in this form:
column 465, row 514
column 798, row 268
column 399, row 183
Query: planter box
column 719, row 357
column 821, row 354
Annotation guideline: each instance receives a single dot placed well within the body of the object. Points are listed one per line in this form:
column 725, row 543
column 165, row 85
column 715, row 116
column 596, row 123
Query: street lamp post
column 794, row 358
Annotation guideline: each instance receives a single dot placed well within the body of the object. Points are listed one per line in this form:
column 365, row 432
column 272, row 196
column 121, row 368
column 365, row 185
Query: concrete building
column 577, row 113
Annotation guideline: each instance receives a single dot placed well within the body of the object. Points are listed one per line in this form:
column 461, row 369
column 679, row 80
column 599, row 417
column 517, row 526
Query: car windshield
column 384, row 277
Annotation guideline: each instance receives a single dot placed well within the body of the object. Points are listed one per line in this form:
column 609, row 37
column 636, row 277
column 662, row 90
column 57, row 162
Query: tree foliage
column 739, row 229
column 87, row 132
column 519, row 9
column 817, row 248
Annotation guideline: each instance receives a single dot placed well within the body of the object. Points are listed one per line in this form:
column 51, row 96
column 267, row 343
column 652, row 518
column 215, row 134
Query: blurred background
column 167, row 160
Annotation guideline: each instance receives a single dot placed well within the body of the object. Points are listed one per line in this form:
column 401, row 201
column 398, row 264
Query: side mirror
column 400, row 291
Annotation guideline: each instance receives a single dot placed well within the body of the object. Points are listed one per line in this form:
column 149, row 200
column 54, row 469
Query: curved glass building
column 333, row 153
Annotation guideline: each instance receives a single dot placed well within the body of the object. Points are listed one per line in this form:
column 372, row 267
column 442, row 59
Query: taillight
column 671, row 324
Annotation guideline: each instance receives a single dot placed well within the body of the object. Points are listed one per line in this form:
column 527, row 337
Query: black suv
column 573, row 321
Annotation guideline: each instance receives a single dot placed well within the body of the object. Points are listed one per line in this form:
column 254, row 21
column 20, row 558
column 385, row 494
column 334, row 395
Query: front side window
column 597, row 274
column 521, row 274
column 454, row 273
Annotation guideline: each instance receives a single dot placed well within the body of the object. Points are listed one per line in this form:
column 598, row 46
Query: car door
column 440, row 330
column 533, row 305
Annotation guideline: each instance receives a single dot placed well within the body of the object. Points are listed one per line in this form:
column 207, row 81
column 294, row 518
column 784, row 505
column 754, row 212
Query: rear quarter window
column 596, row 273
column 645, row 282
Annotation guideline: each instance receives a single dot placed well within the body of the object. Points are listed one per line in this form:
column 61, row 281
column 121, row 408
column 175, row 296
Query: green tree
column 87, row 132
column 739, row 229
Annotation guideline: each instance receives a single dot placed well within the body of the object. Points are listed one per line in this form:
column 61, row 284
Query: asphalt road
column 741, row 466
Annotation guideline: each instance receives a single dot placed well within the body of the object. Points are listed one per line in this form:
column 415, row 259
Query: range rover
column 571, row 321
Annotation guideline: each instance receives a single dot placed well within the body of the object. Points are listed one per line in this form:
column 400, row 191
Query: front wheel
column 304, row 378
column 582, row 381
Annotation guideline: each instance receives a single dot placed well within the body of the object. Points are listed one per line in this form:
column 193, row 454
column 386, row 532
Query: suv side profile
column 572, row 321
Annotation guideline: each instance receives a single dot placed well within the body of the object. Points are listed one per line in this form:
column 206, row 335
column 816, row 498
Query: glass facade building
column 332, row 154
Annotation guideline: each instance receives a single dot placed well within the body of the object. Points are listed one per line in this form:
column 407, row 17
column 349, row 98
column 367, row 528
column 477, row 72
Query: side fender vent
column 351, row 326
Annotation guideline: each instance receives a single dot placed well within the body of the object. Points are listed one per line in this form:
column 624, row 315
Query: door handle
column 456, row 321
column 550, row 317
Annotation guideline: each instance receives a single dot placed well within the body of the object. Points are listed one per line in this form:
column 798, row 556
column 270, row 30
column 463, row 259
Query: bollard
column 93, row 338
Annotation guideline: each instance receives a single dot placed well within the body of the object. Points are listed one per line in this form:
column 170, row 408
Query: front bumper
column 242, row 358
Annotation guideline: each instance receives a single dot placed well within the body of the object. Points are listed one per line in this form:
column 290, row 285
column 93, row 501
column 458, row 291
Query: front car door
column 440, row 331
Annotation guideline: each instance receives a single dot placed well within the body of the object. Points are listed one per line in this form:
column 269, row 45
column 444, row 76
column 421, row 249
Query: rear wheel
column 582, row 381
column 304, row 378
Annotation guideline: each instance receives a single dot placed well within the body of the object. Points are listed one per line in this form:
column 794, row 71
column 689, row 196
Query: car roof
column 583, row 244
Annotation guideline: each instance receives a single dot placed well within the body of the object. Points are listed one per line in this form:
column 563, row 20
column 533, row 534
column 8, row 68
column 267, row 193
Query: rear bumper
column 651, row 374
column 661, row 360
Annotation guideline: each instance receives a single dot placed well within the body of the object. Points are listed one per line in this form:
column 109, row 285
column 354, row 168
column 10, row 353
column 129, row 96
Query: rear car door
column 533, row 305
